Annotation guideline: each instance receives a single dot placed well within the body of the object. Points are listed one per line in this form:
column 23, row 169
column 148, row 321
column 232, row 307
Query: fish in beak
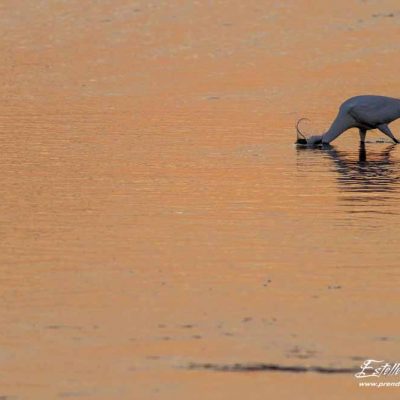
column 303, row 141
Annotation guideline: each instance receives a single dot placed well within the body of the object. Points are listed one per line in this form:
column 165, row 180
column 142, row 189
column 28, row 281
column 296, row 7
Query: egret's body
column 365, row 113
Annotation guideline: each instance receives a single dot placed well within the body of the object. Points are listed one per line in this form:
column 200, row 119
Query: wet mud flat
column 162, row 237
column 258, row 367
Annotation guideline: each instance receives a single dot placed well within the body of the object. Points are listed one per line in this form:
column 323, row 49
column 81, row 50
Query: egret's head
column 314, row 140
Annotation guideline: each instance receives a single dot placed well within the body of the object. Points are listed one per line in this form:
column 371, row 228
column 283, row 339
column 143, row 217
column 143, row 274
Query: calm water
column 156, row 215
column 152, row 249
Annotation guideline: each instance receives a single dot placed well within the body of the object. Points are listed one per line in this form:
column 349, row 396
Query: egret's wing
column 372, row 113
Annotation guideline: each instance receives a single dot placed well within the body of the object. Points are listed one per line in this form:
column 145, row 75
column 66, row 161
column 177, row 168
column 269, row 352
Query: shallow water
column 156, row 214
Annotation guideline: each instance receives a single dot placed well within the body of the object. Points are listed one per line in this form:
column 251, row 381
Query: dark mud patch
column 265, row 367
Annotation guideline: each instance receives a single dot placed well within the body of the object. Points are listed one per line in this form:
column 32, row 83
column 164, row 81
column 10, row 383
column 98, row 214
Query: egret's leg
column 386, row 130
column 363, row 133
column 362, row 154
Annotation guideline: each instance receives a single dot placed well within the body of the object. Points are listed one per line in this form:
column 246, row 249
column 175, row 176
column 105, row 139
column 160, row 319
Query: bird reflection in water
column 368, row 181
column 372, row 173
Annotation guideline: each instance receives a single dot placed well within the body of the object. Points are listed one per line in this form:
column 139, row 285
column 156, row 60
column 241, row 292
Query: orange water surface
column 159, row 227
